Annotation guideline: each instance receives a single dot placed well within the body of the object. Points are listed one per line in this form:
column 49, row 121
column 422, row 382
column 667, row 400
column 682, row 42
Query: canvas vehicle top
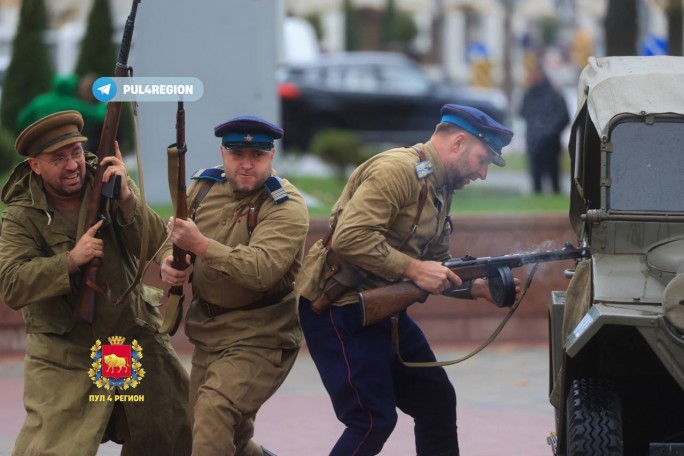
column 617, row 333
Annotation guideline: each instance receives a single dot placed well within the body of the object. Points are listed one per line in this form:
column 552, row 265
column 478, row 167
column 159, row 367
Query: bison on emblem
column 115, row 362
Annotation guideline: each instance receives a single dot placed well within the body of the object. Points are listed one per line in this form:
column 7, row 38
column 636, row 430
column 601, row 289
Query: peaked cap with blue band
column 248, row 132
column 489, row 131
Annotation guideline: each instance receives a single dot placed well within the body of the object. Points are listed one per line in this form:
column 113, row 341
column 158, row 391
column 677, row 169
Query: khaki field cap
column 50, row 133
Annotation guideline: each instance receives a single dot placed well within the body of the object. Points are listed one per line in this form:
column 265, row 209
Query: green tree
column 30, row 71
column 98, row 51
column 351, row 29
column 399, row 28
column 315, row 21
column 98, row 56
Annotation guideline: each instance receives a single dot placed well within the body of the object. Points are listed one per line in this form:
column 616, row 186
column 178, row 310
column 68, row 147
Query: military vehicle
column 617, row 332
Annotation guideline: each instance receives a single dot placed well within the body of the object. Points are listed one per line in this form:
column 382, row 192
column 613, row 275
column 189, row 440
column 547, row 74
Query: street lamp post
column 507, row 83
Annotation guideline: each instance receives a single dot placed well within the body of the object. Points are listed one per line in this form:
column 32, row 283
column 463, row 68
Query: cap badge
column 248, row 138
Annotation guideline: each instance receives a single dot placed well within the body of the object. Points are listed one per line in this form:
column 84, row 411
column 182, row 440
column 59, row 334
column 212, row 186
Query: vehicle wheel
column 594, row 419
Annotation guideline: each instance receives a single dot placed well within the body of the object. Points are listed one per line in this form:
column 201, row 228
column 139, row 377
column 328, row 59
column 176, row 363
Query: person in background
column 247, row 239
column 546, row 116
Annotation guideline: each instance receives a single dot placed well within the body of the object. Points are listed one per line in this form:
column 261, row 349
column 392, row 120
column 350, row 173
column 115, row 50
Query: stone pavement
column 502, row 406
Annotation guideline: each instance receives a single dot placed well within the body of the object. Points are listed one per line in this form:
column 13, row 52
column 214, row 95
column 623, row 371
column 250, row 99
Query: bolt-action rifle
column 380, row 303
column 100, row 194
column 176, row 159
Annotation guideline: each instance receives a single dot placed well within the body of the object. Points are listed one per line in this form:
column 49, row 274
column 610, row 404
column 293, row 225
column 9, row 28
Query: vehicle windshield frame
column 638, row 180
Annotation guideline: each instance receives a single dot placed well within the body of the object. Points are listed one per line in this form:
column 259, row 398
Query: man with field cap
column 74, row 400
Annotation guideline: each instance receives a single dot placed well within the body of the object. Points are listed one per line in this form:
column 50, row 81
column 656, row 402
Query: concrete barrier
column 442, row 319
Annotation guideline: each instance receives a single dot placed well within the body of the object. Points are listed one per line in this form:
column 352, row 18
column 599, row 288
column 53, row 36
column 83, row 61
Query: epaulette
column 216, row 174
column 275, row 188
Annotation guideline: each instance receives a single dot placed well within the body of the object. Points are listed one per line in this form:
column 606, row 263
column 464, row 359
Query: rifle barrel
column 85, row 307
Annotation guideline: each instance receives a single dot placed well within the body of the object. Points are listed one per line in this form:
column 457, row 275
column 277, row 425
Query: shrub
column 340, row 148
column 8, row 156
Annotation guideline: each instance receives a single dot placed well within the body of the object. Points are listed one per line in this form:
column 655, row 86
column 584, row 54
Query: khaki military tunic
column 242, row 356
column 60, row 417
column 376, row 211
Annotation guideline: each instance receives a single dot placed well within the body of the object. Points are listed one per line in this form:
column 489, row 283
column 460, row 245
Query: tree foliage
column 339, row 148
column 30, row 71
column 351, row 29
column 98, row 51
column 399, row 28
column 98, row 57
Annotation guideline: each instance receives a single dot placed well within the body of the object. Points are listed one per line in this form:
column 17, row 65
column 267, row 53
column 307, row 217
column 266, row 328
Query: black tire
column 593, row 419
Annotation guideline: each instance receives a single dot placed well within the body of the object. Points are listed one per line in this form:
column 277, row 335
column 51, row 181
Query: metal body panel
column 625, row 279
column 599, row 315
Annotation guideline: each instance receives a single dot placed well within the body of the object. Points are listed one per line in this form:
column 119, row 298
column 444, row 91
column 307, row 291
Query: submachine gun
column 381, row 303
column 100, row 194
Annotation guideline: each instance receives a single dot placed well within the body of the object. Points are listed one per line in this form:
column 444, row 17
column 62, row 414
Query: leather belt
column 213, row 310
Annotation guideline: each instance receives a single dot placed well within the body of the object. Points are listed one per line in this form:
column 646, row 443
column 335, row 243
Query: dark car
column 384, row 97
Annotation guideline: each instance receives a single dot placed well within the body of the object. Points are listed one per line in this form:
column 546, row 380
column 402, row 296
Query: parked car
column 382, row 96
column 617, row 333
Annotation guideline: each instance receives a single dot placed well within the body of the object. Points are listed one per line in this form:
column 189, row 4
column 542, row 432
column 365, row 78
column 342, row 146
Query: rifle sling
column 394, row 320
column 173, row 164
column 174, row 304
column 142, row 257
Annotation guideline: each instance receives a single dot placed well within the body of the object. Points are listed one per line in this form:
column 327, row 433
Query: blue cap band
column 491, row 141
column 246, row 138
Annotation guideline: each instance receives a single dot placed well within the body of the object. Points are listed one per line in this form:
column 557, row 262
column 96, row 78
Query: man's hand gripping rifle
column 383, row 302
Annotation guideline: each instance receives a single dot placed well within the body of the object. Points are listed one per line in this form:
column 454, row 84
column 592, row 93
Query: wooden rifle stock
column 181, row 212
column 381, row 303
column 97, row 204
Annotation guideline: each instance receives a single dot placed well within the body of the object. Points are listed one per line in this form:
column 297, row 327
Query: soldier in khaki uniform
column 42, row 246
column 248, row 240
column 392, row 223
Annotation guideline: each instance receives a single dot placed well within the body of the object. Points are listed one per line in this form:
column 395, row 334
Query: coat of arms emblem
column 116, row 365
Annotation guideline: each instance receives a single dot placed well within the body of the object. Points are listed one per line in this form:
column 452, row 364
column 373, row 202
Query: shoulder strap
column 206, row 178
column 253, row 214
column 201, row 193
column 274, row 189
column 421, row 198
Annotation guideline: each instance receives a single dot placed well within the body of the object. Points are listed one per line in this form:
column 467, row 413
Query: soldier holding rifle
column 247, row 237
column 391, row 223
column 43, row 245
